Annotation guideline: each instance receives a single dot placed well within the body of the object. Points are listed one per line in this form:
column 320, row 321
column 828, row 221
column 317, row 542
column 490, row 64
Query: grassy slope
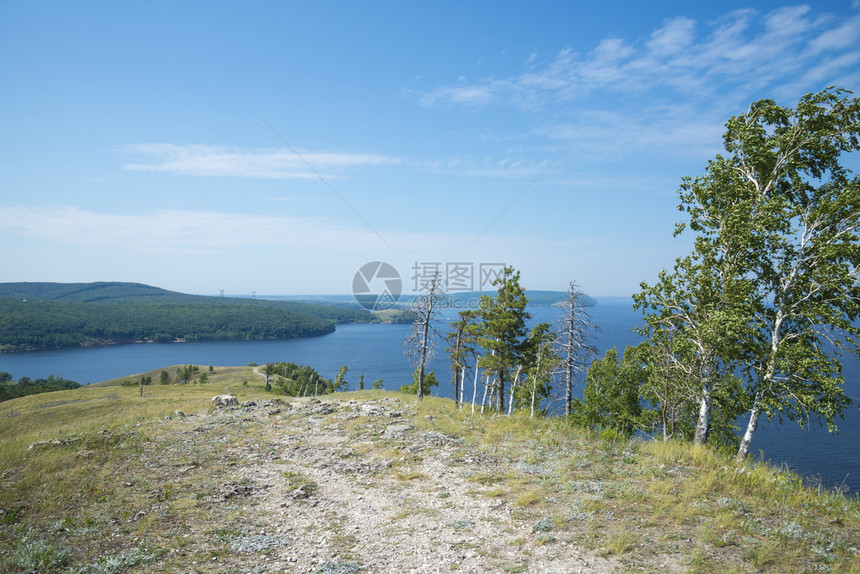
column 228, row 376
column 78, row 500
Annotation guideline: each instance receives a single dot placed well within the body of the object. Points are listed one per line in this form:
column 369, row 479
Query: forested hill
column 51, row 315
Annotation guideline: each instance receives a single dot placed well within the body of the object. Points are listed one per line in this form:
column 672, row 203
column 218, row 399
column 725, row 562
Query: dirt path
column 350, row 487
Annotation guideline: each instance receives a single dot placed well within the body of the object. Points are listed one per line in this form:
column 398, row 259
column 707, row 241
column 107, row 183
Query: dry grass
column 75, row 497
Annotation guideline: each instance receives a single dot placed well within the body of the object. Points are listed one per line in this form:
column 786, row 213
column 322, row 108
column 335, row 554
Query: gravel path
column 346, row 487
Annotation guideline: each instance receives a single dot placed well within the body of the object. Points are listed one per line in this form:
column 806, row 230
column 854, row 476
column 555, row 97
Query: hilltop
column 52, row 315
column 100, row 479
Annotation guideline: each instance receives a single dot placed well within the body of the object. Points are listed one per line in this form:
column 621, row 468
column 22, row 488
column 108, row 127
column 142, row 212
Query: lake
column 377, row 351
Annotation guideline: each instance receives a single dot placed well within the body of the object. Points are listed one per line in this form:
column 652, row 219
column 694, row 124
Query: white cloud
column 180, row 231
column 673, row 38
column 843, row 37
column 158, row 236
column 465, row 94
column 223, row 161
column 741, row 53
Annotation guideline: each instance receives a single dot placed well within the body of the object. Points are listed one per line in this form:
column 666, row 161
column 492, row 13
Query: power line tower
column 253, row 294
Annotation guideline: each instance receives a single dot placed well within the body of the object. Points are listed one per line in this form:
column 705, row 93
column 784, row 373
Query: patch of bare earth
column 337, row 487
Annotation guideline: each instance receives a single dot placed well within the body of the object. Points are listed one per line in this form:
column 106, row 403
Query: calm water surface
column 377, row 351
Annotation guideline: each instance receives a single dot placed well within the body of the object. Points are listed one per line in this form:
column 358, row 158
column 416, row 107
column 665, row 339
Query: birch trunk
column 475, row 383
column 484, row 398
column 514, row 388
column 534, row 395
column 462, row 382
column 769, row 375
column 704, row 421
column 744, row 449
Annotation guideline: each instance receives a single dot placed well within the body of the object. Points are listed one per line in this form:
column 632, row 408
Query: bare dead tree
column 574, row 331
column 421, row 340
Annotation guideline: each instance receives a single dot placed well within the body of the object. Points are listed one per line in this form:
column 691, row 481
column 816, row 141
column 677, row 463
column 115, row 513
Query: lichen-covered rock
column 224, row 401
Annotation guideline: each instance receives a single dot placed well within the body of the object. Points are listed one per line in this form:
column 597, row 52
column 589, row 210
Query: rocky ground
column 377, row 482
column 340, row 487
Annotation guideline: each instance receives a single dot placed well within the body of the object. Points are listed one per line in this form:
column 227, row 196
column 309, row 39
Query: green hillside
column 52, row 315
column 97, row 292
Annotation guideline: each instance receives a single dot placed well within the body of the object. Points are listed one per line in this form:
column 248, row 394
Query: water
column 377, row 351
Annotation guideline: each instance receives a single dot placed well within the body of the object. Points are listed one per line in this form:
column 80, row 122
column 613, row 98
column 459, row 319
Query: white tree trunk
column 484, row 398
column 704, row 421
column 513, row 388
column 462, row 382
column 767, row 381
column 744, row 449
column 534, row 395
column 475, row 383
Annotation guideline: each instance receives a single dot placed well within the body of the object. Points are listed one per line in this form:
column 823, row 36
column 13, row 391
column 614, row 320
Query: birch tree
column 541, row 364
column 808, row 215
column 667, row 388
column 574, row 330
column 776, row 222
column 611, row 393
column 702, row 307
column 461, row 347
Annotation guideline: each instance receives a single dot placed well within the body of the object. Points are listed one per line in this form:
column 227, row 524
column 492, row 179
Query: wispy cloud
column 224, row 161
column 180, row 231
column 185, row 231
column 743, row 51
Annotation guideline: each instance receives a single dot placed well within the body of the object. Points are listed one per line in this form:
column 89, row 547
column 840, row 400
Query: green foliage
column 611, row 394
column 771, row 285
column 340, row 383
column 540, row 363
column 461, row 346
column 269, row 371
column 185, row 373
column 429, row 383
column 25, row 386
column 300, row 380
column 53, row 315
column 377, row 384
column 503, row 331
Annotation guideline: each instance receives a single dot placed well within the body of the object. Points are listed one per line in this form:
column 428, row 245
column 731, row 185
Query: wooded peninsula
column 54, row 315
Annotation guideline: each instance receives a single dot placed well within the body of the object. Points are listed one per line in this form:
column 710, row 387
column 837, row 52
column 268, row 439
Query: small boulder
column 224, row 401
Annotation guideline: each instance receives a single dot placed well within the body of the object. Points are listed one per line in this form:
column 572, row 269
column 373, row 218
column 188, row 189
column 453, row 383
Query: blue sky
column 277, row 146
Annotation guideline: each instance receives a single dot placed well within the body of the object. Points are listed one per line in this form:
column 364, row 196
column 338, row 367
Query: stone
column 225, row 401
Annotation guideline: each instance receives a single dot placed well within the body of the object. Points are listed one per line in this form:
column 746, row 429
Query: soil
column 342, row 487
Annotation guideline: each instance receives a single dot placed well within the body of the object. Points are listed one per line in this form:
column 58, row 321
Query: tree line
column 26, row 325
column 25, row 386
column 750, row 324
column 516, row 366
